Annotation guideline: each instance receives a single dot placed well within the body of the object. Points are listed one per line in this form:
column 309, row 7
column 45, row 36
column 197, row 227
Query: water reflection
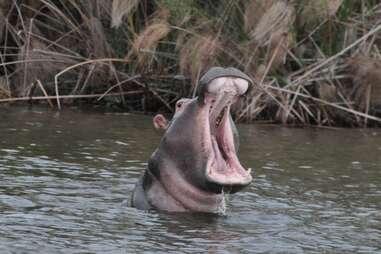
column 66, row 179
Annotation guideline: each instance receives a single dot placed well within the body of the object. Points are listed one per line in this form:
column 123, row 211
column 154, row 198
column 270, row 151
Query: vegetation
column 314, row 62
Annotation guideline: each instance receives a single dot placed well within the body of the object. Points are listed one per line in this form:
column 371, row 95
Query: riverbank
column 313, row 63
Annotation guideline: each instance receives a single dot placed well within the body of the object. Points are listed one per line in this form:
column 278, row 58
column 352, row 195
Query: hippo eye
column 179, row 104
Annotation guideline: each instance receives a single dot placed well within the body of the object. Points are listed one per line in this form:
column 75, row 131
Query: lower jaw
column 226, row 180
column 221, row 189
column 221, row 161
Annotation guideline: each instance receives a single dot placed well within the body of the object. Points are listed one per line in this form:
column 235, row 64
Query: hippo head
column 196, row 161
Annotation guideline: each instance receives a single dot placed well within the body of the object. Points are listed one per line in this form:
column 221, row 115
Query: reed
column 314, row 62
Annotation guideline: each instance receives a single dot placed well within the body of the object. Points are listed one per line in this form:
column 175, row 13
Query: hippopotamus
column 196, row 161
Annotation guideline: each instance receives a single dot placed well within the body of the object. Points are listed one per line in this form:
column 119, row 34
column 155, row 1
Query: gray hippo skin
column 196, row 161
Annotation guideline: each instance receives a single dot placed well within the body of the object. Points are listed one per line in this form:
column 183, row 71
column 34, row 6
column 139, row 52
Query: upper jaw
column 220, row 93
column 214, row 74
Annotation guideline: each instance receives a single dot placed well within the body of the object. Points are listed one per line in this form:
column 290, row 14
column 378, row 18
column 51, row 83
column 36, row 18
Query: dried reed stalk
column 4, row 87
column 78, row 96
column 28, row 70
column 197, row 55
column 121, row 8
column 254, row 11
column 302, row 81
column 276, row 19
column 316, row 10
column 366, row 74
column 145, row 43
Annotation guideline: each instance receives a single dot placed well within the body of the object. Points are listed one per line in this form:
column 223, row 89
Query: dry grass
column 98, row 39
column 313, row 62
column 276, row 20
column 327, row 92
column 254, row 10
column 4, row 88
column 318, row 10
column 121, row 8
column 145, row 43
column 37, row 61
column 273, row 30
column 198, row 54
column 366, row 75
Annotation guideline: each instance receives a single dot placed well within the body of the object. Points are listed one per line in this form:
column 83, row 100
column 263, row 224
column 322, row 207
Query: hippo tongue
column 228, row 173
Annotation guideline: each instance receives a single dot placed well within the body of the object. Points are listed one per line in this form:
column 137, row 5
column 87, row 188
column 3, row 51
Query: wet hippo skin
column 196, row 160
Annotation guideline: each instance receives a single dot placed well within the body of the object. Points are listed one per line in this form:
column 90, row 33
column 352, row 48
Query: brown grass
column 366, row 75
column 254, row 10
column 4, row 88
column 121, row 8
column 273, row 31
column 277, row 19
column 98, row 39
column 318, row 10
column 328, row 92
column 145, row 43
column 313, row 62
column 37, row 61
column 198, row 54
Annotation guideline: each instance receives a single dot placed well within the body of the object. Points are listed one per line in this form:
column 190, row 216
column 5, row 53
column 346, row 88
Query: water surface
column 66, row 179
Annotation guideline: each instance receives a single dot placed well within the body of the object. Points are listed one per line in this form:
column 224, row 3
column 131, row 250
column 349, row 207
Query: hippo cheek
column 201, row 139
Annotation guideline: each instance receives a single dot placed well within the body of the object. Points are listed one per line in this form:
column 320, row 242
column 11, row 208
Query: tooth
column 249, row 170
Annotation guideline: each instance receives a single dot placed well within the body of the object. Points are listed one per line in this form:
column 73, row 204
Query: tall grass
column 314, row 62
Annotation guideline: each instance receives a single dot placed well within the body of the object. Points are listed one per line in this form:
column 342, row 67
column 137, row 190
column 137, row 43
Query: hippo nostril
column 218, row 78
column 241, row 85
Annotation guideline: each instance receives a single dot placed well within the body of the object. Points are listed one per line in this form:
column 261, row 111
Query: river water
column 66, row 179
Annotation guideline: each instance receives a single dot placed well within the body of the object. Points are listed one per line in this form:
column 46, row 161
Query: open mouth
column 224, row 168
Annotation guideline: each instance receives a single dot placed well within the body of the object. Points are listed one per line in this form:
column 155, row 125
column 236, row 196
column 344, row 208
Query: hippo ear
column 160, row 122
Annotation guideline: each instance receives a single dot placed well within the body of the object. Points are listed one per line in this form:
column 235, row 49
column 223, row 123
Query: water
column 66, row 179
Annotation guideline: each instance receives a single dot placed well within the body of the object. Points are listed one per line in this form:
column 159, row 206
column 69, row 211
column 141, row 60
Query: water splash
column 221, row 208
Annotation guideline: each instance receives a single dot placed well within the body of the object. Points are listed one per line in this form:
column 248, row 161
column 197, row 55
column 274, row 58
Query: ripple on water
column 69, row 193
